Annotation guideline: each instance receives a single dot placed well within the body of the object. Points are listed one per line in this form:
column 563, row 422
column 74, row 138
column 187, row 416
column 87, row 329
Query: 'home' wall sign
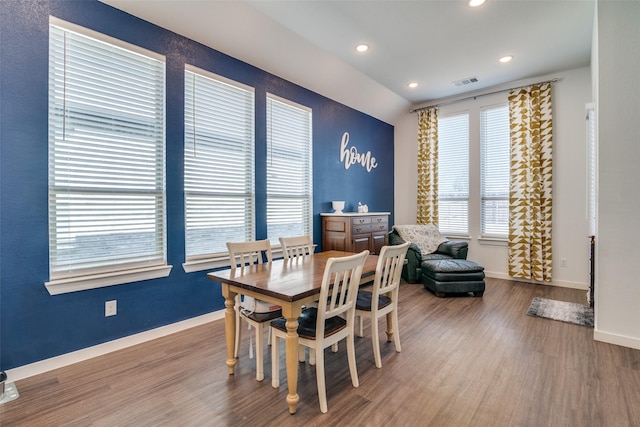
column 351, row 156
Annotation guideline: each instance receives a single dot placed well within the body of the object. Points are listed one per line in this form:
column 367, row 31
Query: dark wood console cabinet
column 355, row 232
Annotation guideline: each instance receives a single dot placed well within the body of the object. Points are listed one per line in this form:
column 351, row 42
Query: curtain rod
column 482, row 94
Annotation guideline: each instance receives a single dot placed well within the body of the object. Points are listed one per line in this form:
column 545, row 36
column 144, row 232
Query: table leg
column 291, row 347
column 230, row 325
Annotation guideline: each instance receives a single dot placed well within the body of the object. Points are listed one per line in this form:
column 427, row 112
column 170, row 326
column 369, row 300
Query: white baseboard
column 559, row 283
column 42, row 366
column 620, row 340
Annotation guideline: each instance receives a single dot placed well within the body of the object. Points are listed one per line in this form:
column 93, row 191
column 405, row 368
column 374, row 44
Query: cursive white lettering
column 350, row 156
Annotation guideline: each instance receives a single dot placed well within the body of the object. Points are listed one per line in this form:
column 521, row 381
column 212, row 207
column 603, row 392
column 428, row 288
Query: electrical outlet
column 563, row 262
column 110, row 308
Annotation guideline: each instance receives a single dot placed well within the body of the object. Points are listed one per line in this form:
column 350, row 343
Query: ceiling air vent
column 465, row 82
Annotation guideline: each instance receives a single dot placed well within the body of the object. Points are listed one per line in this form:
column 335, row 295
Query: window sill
column 67, row 285
column 493, row 241
column 206, row 264
column 220, row 261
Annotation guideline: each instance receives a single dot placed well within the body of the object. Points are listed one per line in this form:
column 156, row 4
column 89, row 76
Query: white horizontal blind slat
column 453, row 174
column 219, row 164
column 106, row 157
column 494, row 171
column 289, row 169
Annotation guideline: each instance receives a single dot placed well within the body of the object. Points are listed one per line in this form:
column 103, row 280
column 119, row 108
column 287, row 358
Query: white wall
column 616, row 64
column 570, row 227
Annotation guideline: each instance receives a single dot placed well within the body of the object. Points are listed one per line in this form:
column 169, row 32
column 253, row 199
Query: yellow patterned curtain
column 427, row 166
column 530, row 201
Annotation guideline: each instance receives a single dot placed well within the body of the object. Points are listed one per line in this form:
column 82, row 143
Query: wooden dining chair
column 320, row 327
column 295, row 248
column 242, row 255
column 298, row 246
column 383, row 298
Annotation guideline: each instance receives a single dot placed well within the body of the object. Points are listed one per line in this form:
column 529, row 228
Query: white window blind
column 218, row 163
column 494, row 171
column 453, row 174
column 106, row 156
column 289, row 169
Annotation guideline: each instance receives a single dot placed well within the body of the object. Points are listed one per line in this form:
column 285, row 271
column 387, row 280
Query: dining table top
column 288, row 279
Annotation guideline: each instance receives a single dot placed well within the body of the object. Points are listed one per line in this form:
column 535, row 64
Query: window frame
column 453, row 198
column 214, row 259
column 66, row 276
column 487, row 173
column 305, row 194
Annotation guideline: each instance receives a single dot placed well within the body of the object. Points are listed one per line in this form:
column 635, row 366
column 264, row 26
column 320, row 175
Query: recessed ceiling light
column 475, row 3
column 412, row 85
column 506, row 58
column 362, row 47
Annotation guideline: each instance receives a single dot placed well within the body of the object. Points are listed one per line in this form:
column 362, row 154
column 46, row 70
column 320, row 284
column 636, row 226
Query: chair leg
column 375, row 342
column 360, row 326
column 334, row 348
column 259, row 352
column 396, row 331
column 301, row 353
column 351, row 356
column 275, row 360
column 322, row 389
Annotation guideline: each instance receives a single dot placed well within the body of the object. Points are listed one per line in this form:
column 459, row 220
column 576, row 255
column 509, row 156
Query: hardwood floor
column 465, row 362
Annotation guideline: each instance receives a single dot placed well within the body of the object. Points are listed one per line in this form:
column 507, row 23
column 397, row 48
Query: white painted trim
column 558, row 283
column 620, row 340
column 67, row 359
column 74, row 284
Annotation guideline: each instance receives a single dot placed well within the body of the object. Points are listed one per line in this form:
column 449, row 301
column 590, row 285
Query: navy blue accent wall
column 35, row 325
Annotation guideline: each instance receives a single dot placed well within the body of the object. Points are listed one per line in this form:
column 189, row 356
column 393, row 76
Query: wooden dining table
column 290, row 284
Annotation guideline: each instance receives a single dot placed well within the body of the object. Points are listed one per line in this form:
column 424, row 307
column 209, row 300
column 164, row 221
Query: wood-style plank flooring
column 465, row 362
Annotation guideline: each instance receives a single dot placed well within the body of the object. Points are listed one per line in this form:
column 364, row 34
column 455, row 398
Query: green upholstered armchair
column 411, row 271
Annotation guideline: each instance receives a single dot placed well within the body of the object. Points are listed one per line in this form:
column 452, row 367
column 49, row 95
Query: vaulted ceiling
column 434, row 43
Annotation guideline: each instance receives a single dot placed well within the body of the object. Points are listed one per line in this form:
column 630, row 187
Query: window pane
column 495, row 152
column 289, row 170
column 453, row 174
column 218, row 163
column 106, row 156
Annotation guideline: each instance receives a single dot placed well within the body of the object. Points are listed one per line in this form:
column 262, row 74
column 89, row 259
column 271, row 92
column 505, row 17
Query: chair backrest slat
column 242, row 254
column 298, row 246
column 340, row 284
column 389, row 270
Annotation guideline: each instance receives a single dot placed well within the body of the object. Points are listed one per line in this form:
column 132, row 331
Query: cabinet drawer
column 361, row 220
column 379, row 219
column 379, row 227
column 361, row 229
column 340, row 226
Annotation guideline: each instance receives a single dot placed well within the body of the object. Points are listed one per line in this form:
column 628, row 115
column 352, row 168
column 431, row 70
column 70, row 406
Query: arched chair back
column 383, row 298
column 298, row 246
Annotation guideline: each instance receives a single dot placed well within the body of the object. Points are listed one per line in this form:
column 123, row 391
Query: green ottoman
column 443, row 276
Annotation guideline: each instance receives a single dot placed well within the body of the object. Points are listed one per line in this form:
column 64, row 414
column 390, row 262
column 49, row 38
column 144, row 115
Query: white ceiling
column 431, row 42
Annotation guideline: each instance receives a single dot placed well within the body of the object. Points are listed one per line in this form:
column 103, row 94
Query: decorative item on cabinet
column 337, row 206
column 355, row 232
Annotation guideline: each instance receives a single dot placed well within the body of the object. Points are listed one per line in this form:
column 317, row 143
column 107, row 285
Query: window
column 494, row 171
column 289, row 169
column 106, row 161
column 218, row 166
column 453, row 174
column 592, row 168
